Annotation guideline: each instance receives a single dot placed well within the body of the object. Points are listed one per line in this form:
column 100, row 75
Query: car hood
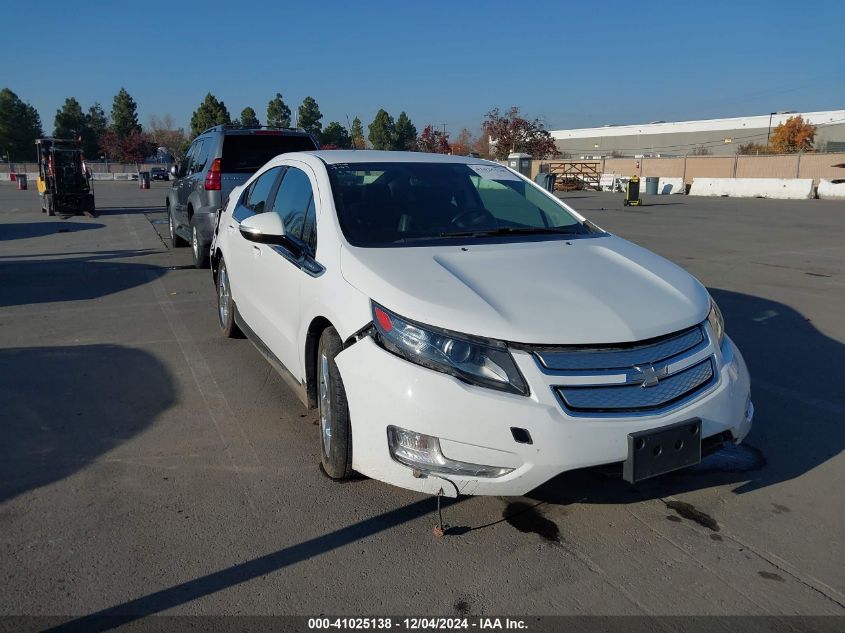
column 588, row 290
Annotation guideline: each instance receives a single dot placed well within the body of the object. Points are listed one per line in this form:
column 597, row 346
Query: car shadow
column 24, row 230
column 45, row 436
column 26, row 281
column 799, row 404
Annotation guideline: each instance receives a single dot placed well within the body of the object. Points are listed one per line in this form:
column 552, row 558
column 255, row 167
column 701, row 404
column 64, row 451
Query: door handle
column 231, row 228
column 256, row 251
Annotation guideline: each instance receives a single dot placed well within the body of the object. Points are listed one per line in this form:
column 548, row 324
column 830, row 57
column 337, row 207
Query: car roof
column 335, row 156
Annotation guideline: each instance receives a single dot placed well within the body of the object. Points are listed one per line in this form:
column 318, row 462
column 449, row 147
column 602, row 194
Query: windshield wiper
column 514, row 230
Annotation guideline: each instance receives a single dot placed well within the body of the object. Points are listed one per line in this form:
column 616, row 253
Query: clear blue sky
column 574, row 64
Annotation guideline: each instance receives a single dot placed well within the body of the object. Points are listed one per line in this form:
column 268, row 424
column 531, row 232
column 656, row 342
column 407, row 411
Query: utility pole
column 769, row 133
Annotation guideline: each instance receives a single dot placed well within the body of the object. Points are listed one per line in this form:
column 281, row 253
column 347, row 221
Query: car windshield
column 382, row 204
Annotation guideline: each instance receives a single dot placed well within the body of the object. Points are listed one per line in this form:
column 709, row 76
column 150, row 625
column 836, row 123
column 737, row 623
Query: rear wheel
column 199, row 250
column 335, row 428
column 225, row 304
column 177, row 241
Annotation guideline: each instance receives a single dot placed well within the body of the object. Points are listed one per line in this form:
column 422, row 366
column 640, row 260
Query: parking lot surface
column 149, row 466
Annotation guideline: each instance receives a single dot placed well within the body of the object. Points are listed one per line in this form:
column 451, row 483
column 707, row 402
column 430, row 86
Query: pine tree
column 70, row 120
column 124, row 115
column 382, row 131
column 96, row 125
column 249, row 118
column 358, row 134
column 20, row 125
column 405, row 135
column 309, row 115
column 211, row 112
column 336, row 136
column 278, row 113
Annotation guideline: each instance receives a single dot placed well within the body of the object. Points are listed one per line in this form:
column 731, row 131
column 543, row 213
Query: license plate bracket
column 658, row 451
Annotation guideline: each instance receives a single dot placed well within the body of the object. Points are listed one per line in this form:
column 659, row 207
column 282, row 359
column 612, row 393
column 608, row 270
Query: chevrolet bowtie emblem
column 649, row 375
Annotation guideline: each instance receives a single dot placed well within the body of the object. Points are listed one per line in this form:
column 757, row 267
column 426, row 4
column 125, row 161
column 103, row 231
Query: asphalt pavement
column 150, row 466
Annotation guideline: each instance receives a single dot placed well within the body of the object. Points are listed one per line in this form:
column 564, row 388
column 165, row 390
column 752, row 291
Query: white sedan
column 460, row 329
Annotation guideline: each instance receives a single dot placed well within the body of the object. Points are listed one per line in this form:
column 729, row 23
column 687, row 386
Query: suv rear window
column 245, row 153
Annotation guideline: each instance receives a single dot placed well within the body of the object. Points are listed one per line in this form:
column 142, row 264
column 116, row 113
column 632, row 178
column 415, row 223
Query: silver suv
column 218, row 160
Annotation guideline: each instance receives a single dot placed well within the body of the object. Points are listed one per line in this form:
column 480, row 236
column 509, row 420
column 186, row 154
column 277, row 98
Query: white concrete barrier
column 780, row 188
column 831, row 190
column 670, row 185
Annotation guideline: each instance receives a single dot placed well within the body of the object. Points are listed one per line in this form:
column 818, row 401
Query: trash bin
column 651, row 183
column 521, row 163
column 21, row 179
column 144, row 179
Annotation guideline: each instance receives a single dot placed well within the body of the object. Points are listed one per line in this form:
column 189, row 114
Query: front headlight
column 717, row 322
column 483, row 363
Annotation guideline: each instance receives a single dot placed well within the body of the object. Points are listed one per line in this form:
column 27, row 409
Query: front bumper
column 474, row 423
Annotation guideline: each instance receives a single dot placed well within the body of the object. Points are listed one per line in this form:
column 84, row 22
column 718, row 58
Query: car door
column 281, row 271
column 183, row 186
column 242, row 255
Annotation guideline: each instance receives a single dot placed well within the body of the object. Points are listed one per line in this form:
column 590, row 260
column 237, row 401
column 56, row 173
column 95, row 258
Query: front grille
column 620, row 356
column 635, row 397
column 630, row 378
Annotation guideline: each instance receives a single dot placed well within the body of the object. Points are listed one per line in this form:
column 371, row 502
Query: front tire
column 335, row 427
column 198, row 249
column 225, row 304
column 177, row 241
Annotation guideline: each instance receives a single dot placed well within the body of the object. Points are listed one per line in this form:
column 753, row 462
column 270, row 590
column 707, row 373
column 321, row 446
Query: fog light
column 423, row 453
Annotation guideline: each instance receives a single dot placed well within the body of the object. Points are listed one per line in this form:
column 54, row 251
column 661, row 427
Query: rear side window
column 295, row 203
column 246, row 153
column 201, row 155
column 259, row 191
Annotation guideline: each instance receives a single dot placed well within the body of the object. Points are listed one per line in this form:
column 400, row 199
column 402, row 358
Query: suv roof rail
column 229, row 126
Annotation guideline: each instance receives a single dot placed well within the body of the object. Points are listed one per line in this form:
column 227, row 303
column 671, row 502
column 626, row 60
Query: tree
column 404, row 134
column 464, row 144
column 335, row 136
column 278, row 113
column 512, row 133
column 249, row 118
column 133, row 148
column 124, row 114
column 701, row 150
column 70, row 120
column 358, row 141
column 20, row 125
column 211, row 112
column 164, row 133
column 382, row 131
column 309, row 115
column 434, row 141
column 97, row 124
column 793, row 135
column 754, row 148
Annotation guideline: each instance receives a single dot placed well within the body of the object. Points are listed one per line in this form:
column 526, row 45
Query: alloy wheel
column 223, row 297
column 325, row 403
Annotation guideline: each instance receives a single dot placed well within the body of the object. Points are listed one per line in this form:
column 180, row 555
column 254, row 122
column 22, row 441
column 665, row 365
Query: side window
column 195, row 155
column 201, row 156
column 185, row 168
column 256, row 197
column 508, row 206
column 295, row 203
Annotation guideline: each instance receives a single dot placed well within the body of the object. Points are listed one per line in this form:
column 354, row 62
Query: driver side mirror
column 174, row 170
column 268, row 228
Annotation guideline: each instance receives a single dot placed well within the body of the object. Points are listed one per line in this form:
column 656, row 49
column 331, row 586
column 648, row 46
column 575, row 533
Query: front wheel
column 174, row 236
column 335, row 428
column 225, row 304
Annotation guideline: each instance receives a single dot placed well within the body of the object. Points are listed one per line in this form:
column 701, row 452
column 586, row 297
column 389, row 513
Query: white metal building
column 678, row 138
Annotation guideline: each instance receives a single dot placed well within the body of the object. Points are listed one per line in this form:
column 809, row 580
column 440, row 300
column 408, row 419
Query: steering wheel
column 473, row 217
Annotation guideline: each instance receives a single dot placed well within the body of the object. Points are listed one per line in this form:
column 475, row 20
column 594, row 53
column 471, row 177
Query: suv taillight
column 212, row 178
